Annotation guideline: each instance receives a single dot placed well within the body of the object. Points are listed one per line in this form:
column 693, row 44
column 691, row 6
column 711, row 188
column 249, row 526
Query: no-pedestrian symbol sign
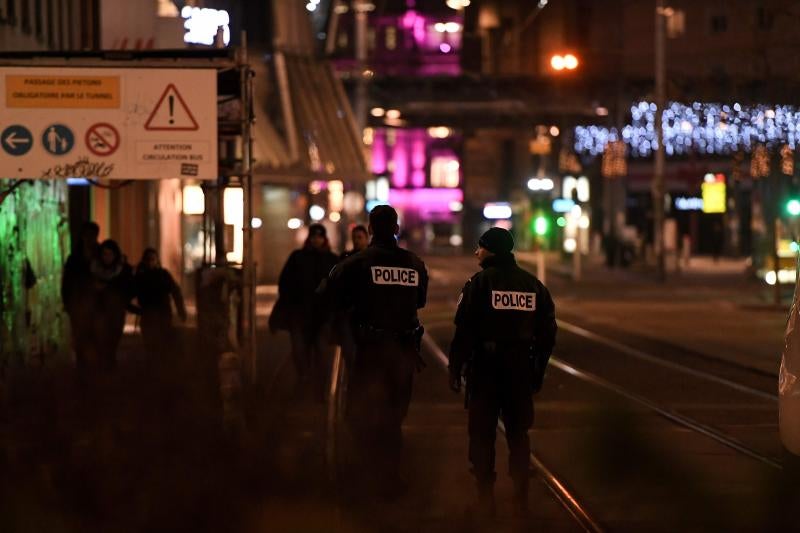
column 102, row 139
column 58, row 139
column 171, row 113
column 16, row 140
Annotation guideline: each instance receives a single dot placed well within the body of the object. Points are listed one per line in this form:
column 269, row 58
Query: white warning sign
column 171, row 113
column 115, row 123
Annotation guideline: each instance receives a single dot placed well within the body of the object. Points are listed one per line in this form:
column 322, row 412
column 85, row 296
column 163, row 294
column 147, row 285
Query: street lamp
column 560, row 62
column 793, row 207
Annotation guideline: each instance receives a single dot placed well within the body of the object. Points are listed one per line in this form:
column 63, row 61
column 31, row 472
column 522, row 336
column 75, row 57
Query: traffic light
column 541, row 225
column 793, row 207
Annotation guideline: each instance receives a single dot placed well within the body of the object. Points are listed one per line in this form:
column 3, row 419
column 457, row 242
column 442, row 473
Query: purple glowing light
column 418, row 159
column 426, row 198
column 379, row 152
column 409, row 18
column 400, row 160
column 445, row 48
column 419, row 30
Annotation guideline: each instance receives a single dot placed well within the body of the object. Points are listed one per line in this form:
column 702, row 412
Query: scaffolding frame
column 235, row 76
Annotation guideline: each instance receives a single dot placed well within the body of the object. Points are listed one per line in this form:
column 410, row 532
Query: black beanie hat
column 317, row 229
column 497, row 241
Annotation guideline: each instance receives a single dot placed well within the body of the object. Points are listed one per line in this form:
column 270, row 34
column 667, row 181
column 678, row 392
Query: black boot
column 483, row 511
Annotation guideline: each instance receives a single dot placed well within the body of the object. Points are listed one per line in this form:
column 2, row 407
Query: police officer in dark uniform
column 382, row 287
column 505, row 333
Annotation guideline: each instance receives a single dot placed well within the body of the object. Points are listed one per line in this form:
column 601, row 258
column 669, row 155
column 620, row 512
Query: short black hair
column 358, row 228
column 383, row 219
column 90, row 228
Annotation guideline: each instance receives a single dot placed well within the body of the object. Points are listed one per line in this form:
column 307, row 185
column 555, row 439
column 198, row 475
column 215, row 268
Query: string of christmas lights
column 704, row 128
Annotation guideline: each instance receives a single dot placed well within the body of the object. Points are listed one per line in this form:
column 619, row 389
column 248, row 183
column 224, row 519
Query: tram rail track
column 557, row 487
column 660, row 361
column 671, row 415
column 575, row 329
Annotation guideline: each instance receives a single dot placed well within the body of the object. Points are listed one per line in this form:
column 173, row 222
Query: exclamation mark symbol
column 171, row 109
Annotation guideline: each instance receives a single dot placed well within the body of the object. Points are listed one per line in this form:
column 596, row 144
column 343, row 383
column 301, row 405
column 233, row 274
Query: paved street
column 646, row 425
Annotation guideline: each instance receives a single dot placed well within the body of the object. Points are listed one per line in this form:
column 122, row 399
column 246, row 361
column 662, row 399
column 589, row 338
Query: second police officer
column 505, row 333
column 382, row 287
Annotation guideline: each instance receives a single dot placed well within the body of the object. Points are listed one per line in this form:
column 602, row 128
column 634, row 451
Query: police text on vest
column 407, row 277
column 515, row 301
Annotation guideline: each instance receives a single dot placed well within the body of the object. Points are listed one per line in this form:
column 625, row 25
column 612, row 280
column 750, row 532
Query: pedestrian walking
column 155, row 291
column 76, row 291
column 112, row 292
column 505, row 333
column 360, row 238
column 383, row 287
column 304, row 316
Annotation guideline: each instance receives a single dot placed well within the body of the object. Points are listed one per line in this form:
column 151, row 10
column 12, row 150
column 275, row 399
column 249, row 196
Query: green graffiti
column 33, row 231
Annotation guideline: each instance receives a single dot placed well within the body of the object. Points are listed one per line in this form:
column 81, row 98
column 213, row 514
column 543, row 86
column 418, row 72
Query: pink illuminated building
column 405, row 38
column 408, row 41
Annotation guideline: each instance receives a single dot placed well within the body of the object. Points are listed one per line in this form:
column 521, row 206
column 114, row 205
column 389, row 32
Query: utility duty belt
column 493, row 347
column 368, row 332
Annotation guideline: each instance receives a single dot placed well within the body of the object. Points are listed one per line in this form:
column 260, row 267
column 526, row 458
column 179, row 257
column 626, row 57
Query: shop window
column 445, row 172
column 342, row 40
column 167, row 9
column 390, row 38
column 676, row 23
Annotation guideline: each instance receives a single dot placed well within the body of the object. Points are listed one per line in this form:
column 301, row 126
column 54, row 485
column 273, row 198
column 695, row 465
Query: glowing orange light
column 557, row 62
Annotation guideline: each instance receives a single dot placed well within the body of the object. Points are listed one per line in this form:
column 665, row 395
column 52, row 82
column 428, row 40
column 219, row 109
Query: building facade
column 34, row 215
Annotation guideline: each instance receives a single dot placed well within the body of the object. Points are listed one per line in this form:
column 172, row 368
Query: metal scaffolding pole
column 658, row 160
column 248, row 257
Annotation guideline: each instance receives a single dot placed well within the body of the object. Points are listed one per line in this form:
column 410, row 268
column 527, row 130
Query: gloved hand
column 455, row 381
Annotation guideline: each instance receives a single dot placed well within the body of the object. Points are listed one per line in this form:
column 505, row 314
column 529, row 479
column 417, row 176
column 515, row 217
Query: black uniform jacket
column 506, row 305
column 384, row 286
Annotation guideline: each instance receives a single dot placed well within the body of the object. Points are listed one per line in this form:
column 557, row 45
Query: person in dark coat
column 383, row 287
column 360, row 238
column 505, row 333
column 76, row 291
column 154, row 288
column 112, row 292
column 301, row 275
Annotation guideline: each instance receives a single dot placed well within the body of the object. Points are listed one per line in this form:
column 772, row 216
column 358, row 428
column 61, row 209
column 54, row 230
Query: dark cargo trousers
column 378, row 396
column 500, row 386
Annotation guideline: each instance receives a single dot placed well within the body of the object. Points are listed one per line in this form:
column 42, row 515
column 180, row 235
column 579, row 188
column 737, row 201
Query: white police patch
column 514, row 301
column 383, row 275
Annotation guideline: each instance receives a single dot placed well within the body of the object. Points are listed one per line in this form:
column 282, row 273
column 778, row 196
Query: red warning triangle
column 171, row 113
